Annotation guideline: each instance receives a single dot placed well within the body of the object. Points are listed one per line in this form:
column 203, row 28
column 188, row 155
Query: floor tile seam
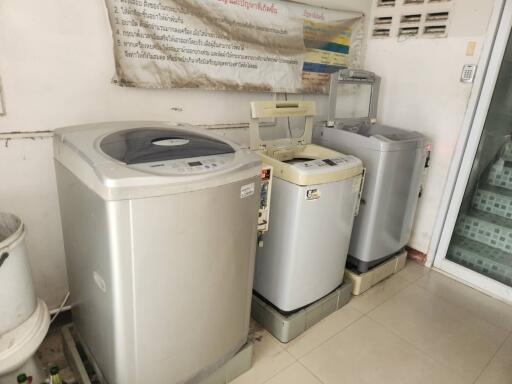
column 419, row 277
column 281, row 370
column 418, row 349
column 481, row 291
column 493, row 357
column 446, row 301
column 408, row 285
column 287, row 346
column 333, row 336
column 310, row 371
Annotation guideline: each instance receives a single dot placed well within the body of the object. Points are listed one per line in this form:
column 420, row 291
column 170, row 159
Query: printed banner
column 269, row 46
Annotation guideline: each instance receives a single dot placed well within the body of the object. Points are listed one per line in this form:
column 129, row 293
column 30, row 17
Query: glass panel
column 148, row 144
column 280, row 128
column 353, row 101
column 482, row 239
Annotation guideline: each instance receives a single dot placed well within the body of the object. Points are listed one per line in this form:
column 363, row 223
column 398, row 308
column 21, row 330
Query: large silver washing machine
column 160, row 231
column 394, row 160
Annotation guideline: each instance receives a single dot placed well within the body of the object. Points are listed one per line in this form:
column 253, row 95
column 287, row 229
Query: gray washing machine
column 394, row 160
column 160, row 226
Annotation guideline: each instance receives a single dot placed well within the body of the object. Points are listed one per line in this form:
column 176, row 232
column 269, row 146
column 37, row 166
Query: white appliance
column 315, row 195
column 24, row 319
column 394, row 159
column 160, row 226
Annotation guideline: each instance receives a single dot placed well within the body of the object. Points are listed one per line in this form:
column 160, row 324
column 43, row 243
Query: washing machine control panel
column 189, row 166
column 326, row 165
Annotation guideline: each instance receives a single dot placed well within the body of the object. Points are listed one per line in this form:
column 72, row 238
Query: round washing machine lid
column 150, row 144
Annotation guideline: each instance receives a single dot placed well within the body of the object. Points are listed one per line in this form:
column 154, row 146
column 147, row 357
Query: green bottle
column 55, row 376
column 22, row 379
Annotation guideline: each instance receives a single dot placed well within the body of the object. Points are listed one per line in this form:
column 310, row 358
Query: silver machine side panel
column 200, row 258
column 161, row 286
column 304, row 253
column 390, row 195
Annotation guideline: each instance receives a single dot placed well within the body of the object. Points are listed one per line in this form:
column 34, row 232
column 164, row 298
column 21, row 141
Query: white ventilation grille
column 404, row 19
column 413, row 18
column 437, row 16
column 385, row 20
column 386, row 3
column 381, row 32
column 409, row 31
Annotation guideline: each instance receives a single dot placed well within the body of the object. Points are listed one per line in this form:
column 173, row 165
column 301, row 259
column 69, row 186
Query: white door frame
column 465, row 152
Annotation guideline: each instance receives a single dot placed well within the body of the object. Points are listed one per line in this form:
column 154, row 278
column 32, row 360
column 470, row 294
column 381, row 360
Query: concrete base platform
column 364, row 281
column 82, row 366
column 286, row 328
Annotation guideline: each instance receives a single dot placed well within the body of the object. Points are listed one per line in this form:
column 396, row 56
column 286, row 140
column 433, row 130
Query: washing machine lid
column 314, row 165
column 380, row 137
column 138, row 159
column 150, row 144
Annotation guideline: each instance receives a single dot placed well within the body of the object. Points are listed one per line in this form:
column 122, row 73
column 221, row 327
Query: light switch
column 470, row 49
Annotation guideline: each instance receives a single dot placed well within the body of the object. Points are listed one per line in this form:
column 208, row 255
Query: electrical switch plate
column 470, row 49
column 468, row 73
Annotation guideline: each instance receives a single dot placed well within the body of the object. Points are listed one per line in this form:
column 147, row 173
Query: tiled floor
column 416, row 327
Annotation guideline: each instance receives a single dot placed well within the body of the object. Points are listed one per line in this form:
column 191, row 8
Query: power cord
column 56, row 314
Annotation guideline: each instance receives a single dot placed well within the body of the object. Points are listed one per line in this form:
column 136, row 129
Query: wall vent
column 381, row 32
column 386, row 3
column 409, row 31
column 415, row 18
column 437, row 16
column 384, row 20
column 435, row 30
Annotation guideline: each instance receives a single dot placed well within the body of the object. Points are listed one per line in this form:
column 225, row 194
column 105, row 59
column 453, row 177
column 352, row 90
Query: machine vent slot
column 435, row 30
column 287, row 105
column 438, row 1
column 381, row 32
column 437, row 16
column 409, row 31
column 409, row 2
column 414, row 18
column 386, row 3
column 384, row 20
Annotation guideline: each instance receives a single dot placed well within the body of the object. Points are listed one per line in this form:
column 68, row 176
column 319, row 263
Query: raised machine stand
column 364, row 281
column 87, row 373
column 287, row 327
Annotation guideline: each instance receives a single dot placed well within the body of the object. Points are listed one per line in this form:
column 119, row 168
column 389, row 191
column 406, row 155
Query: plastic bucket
column 17, row 295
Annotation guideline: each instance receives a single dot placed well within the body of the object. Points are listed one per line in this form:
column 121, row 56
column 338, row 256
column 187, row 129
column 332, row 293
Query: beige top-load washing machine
column 160, row 227
column 315, row 196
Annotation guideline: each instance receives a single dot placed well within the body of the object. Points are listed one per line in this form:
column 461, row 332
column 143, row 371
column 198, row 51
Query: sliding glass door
column 482, row 239
column 475, row 241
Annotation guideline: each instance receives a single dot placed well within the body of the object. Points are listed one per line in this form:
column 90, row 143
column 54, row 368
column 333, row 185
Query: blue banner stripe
column 321, row 68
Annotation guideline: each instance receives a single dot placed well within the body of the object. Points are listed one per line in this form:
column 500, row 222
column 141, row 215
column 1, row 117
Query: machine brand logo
column 312, row 194
column 99, row 282
column 247, row 190
column 170, row 142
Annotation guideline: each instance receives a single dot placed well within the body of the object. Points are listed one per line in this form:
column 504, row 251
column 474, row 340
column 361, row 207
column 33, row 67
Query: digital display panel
column 195, row 163
column 330, row 162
